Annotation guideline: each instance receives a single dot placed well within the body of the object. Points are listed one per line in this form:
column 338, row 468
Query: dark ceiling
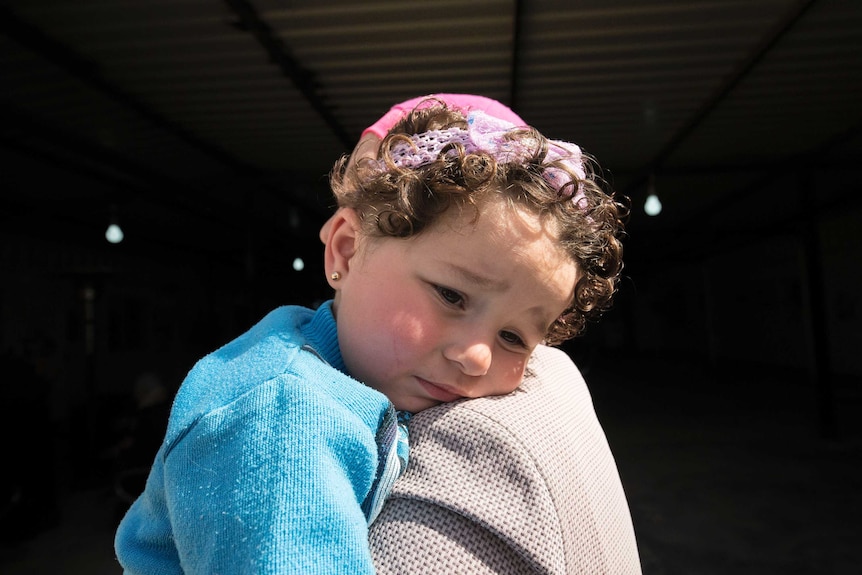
column 208, row 126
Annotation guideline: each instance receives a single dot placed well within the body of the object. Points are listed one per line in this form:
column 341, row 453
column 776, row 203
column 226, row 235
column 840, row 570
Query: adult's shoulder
column 524, row 483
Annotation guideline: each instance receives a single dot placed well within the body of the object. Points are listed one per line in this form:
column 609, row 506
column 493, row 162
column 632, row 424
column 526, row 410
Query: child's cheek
column 408, row 334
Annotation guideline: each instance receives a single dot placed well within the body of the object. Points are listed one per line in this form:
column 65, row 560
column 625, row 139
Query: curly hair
column 401, row 202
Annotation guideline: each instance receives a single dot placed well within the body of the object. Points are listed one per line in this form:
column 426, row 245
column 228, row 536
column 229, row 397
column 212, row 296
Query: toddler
column 463, row 240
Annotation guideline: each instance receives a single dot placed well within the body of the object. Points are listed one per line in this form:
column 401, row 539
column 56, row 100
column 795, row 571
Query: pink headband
column 463, row 102
column 488, row 134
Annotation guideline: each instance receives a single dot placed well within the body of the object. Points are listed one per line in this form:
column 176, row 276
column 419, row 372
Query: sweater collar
column 322, row 335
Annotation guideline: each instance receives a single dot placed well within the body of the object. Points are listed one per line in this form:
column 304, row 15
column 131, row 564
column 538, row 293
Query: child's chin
column 416, row 405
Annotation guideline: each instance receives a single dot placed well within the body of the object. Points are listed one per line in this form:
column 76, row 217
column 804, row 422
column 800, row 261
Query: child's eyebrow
column 483, row 282
column 476, row 279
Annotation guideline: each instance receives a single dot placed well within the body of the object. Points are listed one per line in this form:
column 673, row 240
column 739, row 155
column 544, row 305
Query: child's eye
column 512, row 338
column 450, row 296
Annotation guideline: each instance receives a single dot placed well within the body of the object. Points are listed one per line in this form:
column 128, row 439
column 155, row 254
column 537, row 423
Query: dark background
column 727, row 376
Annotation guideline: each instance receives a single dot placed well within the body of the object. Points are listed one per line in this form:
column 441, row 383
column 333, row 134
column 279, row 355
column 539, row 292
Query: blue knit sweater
column 269, row 454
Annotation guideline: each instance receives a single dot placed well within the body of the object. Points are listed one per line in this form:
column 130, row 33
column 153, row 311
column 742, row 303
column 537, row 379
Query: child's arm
column 261, row 486
column 273, row 489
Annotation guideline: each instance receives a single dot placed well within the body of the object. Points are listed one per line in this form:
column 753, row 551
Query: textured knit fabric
column 463, row 102
column 393, row 455
column 519, row 484
column 269, row 455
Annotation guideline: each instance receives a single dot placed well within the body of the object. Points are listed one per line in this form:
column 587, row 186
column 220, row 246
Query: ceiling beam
column 88, row 72
column 515, row 74
column 302, row 78
column 721, row 94
column 52, row 146
column 791, row 165
column 67, row 59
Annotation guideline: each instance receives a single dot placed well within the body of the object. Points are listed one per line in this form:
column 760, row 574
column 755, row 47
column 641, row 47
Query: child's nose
column 473, row 358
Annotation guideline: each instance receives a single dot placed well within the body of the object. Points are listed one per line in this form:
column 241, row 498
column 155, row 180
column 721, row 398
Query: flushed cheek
column 408, row 335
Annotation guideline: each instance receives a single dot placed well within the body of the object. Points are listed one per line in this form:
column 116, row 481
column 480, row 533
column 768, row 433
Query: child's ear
column 341, row 243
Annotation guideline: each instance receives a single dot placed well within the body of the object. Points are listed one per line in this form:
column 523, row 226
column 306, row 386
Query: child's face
column 454, row 312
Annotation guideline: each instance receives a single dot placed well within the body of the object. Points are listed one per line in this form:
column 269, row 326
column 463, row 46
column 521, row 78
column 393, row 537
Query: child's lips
column 438, row 391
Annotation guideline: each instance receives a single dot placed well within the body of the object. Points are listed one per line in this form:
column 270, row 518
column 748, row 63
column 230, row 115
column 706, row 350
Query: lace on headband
column 487, row 134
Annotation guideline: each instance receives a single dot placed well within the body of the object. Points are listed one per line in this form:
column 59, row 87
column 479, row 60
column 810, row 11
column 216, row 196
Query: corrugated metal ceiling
column 201, row 110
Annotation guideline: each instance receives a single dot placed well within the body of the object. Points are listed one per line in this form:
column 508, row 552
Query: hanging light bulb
column 114, row 234
column 652, row 205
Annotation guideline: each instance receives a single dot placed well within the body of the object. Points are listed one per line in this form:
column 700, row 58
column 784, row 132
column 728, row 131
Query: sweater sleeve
column 269, row 483
column 263, row 486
